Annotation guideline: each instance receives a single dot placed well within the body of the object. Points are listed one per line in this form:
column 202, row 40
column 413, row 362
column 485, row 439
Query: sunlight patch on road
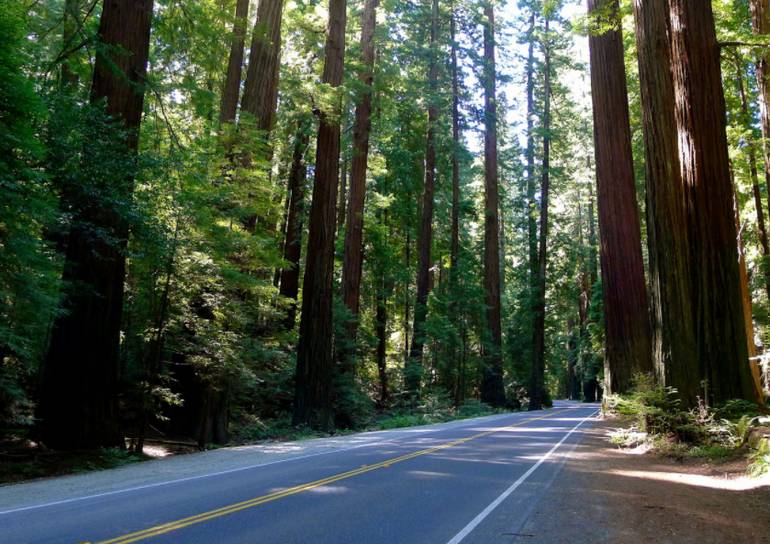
column 742, row 483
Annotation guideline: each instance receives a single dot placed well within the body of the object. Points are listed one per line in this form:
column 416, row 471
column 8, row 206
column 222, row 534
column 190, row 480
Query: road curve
column 472, row 482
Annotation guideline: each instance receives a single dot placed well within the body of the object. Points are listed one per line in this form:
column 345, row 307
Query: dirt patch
column 607, row 494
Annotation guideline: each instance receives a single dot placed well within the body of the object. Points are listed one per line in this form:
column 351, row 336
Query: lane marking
column 469, row 422
column 459, row 537
column 270, row 497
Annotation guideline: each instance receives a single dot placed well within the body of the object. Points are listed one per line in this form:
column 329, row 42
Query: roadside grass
column 653, row 419
column 43, row 464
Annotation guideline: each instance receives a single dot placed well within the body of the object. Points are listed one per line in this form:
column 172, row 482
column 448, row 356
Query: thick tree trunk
column 79, row 386
column 292, row 247
column 312, row 402
column 232, row 87
column 261, row 87
column 492, row 390
column 413, row 371
column 720, row 331
column 537, row 379
column 354, row 233
column 673, row 334
column 627, row 326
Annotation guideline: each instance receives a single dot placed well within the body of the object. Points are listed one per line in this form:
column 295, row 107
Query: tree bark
column 673, row 333
column 413, row 371
column 537, row 380
column 79, row 384
column 532, row 204
column 312, row 402
column 354, row 233
column 292, row 247
column 454, row 250
column 232, row 86
column 720, row 330
column 381, row 327
column 261, row 87
column 492, row 390
column 627, row 326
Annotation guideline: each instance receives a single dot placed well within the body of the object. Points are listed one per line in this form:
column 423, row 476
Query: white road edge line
column 471, row 421
column 459, row 537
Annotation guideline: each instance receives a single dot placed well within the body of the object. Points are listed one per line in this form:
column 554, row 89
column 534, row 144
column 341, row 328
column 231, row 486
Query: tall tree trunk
column 532, row 204
column 454, row 245
column 720, row 331
column 343, row 193
column 79, row 386
column 354, row 233
column 312, row 401
column 751, row 151
column 626, row 321
column 760, row 22
column 537, row 380
column 261, row 87
column 292, row 247
column 454, row 250
column 413, row 371
column 748, row 317
column 232, row 87
column 492, row 390
column 673, row 334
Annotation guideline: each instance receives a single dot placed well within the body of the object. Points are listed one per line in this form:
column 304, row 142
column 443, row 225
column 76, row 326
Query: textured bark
column 673, row 333
column 292, row 247
column 354, row 233
column 343, row 194
column 261, row 87
column 751, row 152
column 413, row 371
column 720, row 330
column 232, row 87
column 492, row 391
column 312, row 402
column 78, row 394
column 537, row 379
column 627, row 326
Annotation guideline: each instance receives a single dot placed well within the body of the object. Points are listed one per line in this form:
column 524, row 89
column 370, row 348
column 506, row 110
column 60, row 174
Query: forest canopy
column 222, row 220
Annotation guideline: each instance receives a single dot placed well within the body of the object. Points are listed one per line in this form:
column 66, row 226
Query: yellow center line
column 256, row 501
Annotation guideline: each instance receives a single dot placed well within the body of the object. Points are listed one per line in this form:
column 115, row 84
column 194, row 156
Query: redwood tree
column 720, row 331
column 492, row 391
column 260, row 91
column 313, row 378
column 232, row 86
column 292, row 247
column 413, row 371
column 627, row 327
column 537, row 379
column 354, row 233
column 78, row 391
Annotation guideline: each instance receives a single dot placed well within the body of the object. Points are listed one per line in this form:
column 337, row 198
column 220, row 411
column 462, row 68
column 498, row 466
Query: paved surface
column 473, row 481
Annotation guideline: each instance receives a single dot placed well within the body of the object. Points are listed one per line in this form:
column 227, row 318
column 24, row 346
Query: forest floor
column 616, row 495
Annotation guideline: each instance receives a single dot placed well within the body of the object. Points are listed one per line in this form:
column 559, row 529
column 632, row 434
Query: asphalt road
column 473, row 482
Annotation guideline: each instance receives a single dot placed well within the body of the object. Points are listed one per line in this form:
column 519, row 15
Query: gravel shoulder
column 605, row 494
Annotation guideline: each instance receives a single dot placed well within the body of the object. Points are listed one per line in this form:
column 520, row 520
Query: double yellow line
column 237, row 507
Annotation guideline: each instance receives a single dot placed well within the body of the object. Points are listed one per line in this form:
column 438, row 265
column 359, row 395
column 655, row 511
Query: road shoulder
column 605, row 494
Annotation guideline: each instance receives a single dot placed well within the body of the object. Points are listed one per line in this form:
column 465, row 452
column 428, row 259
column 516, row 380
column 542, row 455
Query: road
column 474, row 481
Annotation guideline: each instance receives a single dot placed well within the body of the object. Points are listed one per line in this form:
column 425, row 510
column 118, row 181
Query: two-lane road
column 473, row 481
